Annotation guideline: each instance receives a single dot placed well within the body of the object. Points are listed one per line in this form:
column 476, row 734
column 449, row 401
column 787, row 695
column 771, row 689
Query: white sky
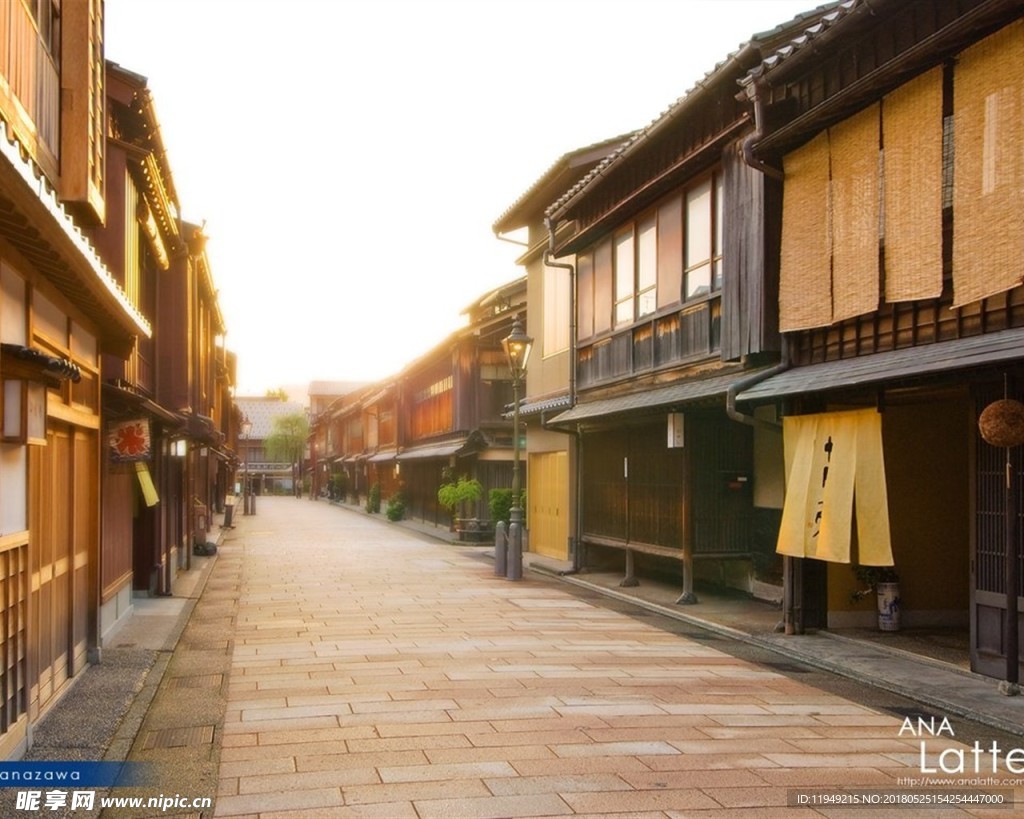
column 350, row 156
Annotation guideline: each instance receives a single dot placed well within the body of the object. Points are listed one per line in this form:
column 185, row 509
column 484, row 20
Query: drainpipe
column 792, row 586
column 576, row 546
column 755, row 95
column 746, row 383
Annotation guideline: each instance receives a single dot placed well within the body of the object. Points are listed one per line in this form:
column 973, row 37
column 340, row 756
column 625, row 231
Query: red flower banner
column 129, row 441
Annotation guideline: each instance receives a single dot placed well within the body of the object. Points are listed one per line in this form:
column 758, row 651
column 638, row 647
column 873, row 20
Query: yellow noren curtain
column 855, row 214
column 833, row 461
column 805, row 286
column 912, row 136
column 988, row 166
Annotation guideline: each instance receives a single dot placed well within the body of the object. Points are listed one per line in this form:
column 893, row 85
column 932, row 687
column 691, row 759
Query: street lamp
column 517, row 350
column 246, row 430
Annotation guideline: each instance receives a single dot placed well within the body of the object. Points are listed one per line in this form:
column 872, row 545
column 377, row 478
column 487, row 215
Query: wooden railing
column 31, row 84
column 688, row 334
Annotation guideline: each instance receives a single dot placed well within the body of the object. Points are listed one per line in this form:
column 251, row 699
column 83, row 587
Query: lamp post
column 246, row 430
column 517, row 349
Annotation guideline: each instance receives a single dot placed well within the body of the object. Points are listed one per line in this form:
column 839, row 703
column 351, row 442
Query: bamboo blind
column 988, row 169
column 912, row 136
column 805, row 286
column 855, row 202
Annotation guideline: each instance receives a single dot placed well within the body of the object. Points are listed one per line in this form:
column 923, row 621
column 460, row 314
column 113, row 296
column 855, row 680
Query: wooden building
column 159, row 498
column 60, row 311
column 140, row 236
column 442, row 417
column 675, row 245
column 265, row 476
column 550, row 453
column 895, row 129
column 451, row 409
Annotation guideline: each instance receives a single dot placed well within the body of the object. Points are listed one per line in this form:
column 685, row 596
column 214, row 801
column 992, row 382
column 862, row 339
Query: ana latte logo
column 971, row 759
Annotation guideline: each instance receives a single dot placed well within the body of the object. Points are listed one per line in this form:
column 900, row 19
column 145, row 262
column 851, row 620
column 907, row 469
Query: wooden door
column 547, row 502
column 988, row 553
column 63, row 534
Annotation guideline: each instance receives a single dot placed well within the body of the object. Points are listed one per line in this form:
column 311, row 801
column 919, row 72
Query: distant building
column 323, row 393
column 265, row 476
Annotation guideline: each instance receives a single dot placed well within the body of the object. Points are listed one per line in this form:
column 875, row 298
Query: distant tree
column 279, row 394
column 287, row 441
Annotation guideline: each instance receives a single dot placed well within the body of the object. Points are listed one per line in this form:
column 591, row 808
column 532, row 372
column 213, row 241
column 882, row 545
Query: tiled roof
column 660, row 398
column 823, row 23
column 333, row 388
column 556, row 167
column 679, row 105
column 991, row 349
column 261, row 412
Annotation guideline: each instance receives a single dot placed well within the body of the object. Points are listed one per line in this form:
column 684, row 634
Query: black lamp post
column 246, row 430
column 517, row 348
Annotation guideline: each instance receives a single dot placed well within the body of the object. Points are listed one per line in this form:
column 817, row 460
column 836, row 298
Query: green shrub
column 338, row 486
column 499, row 501
column 373, row 499
column 396, row 507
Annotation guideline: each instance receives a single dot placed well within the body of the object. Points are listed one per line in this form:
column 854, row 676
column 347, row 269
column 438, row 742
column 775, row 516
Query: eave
column 38, row 226
column 565, row 172
column 932, row 50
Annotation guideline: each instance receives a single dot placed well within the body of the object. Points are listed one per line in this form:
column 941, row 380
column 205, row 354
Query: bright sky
column 350, row 156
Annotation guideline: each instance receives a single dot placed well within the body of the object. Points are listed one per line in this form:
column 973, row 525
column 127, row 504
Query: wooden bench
column 685, row 556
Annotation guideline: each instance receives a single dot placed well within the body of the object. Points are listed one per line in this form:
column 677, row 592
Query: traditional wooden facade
column 157, row 501
column 191, row 353
column 895, row 128
column 451, row 409
column 140, row 236
column 675, row 239
column 441, row 417
column 550, row 454
column 60, row 310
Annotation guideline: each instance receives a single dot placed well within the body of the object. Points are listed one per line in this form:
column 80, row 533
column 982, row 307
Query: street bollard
column 500, row 549
column 514, row 570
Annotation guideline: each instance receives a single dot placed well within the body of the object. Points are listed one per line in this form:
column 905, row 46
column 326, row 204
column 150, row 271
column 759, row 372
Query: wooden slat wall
column 655, row 488
column 14, row 617
column 744, row 310
column 116, row 561
column 84, row 542
column 605, row 489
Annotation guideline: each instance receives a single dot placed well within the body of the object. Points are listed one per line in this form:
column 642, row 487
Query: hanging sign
column 149, row 493
column 130, row 441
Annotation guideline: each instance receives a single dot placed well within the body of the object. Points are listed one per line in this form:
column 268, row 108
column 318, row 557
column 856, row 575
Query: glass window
column 716, row 282
column 670, row 252
column 698, row 240
column 603, row 295
column 646, row 266
column 624, row 272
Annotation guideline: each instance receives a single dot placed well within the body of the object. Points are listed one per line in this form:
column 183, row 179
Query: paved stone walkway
column 373, row 673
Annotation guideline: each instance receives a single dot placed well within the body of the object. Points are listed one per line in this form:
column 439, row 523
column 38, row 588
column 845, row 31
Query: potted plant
column 884, row 582
column 454, row 495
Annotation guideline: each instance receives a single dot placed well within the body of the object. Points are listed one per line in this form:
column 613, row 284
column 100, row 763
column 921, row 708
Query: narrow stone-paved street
column 376, row 673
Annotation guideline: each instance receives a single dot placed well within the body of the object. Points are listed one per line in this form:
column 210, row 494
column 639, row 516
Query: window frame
column 647, row 270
